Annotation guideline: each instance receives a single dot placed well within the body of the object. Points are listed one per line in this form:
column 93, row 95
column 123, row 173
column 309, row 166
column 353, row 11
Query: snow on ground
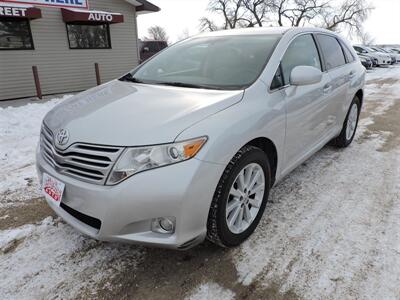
column 56, row 261
column 211, row 291
column 19, row 134
column 333, row 227
column 331, row 230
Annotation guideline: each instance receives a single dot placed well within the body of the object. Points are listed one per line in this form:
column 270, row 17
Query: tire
column 344, row 140
column 248, row 158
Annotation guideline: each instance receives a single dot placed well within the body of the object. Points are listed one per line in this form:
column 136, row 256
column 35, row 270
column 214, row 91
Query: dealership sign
column 79, row 15
column 19, row 11
column 58, row 3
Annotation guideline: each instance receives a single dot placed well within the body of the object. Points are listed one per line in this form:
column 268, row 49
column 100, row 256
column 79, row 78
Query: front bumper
column 367, row 65
column 385, row 61
column 125, row 211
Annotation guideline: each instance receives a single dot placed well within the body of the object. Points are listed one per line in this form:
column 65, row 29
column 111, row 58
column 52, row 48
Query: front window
column 15, row 34
column 88, row 36
column 301, row 52
column 222, row 62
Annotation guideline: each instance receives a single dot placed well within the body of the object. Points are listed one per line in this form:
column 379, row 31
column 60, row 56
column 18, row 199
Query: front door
column 308, row 107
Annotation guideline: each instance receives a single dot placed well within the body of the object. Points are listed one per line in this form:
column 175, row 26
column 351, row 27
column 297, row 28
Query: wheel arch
column 360, row 95
column 270, row 150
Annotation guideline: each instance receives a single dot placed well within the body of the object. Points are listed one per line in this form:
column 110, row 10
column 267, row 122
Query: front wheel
column 350, row 125
column 240, row 198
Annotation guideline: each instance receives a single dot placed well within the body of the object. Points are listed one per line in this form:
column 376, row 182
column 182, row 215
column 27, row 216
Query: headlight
column 139, row 159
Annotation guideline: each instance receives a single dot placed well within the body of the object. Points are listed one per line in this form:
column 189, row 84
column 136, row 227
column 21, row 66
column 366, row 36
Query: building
column 64, row 39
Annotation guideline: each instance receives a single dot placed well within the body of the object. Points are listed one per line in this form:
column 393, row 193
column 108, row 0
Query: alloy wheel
column 352, row 121
column 245, row 198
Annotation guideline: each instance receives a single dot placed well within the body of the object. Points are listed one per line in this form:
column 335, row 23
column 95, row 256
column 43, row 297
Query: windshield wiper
column 130, row 78
column 187, row 85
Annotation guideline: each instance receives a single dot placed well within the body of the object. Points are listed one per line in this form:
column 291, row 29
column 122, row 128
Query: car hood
column 128, row 114
column 383, row 55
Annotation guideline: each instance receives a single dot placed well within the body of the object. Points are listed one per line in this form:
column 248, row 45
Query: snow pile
column 51, row 258
column 211, row 291
column 19, row 135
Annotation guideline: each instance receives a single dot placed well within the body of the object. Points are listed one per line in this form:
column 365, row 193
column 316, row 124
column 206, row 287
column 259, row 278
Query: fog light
column 163, row 225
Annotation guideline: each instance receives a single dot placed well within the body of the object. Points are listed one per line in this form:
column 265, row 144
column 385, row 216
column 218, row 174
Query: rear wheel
column 350, row 125
column 240, row 198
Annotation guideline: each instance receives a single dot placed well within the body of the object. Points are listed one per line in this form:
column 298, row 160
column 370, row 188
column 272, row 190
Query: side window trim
column 272, row 90
column 320, row 54
column 344, row 47
column 324, row 67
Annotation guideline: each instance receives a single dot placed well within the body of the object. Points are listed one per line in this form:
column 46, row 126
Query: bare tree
column 298, row 12
column 333, row 15
column 258, row 9
column 351, row 14
column 206, row 24
column 236, row 14
column 366, row 38
column 157, row 33
column 184, row 35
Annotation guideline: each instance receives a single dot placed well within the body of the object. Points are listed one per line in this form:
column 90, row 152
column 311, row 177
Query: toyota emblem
column 62, row 137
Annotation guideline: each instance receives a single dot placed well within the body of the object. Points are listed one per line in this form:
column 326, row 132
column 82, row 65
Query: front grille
column 90, row 163
column 88, row 220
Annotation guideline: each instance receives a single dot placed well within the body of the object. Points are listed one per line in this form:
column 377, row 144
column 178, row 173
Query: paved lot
column 330, row 231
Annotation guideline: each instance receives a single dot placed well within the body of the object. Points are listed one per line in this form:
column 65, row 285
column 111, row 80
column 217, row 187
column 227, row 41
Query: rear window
column 349, row 56
column 332, row 51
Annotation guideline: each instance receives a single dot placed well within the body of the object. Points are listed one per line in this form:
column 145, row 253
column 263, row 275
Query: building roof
column 144, row 6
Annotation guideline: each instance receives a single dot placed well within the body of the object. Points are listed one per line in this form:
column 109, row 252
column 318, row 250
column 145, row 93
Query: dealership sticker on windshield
column 52, row 189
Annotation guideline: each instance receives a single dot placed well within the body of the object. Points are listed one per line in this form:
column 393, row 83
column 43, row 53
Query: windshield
column 222, row 62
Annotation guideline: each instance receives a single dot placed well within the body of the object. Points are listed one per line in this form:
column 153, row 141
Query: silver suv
column 189, row 144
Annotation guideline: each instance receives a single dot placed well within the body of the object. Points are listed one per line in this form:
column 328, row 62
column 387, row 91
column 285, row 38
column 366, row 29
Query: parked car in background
column 393, row 56
column 372, row 58
column 366, row 61
column 149, row 48
column 383, row 58
column 396, row 51
column 188, row 145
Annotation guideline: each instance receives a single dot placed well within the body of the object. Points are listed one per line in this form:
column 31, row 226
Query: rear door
column 340, row 73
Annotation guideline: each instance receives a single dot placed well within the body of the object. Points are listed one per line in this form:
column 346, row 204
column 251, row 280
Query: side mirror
column 305, row 75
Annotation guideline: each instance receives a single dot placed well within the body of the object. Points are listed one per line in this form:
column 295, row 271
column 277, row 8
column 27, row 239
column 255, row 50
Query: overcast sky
column 178, row 16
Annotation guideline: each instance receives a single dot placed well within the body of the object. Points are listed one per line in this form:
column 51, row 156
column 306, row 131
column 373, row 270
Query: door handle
column 327, row 89
column 352, row 74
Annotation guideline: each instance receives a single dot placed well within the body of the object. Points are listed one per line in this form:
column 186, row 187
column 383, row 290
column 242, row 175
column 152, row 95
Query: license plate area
column 52, row 189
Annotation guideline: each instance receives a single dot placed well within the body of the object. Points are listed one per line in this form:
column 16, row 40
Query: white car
column 384, row 59
column 188, row 145
column 395, row 52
